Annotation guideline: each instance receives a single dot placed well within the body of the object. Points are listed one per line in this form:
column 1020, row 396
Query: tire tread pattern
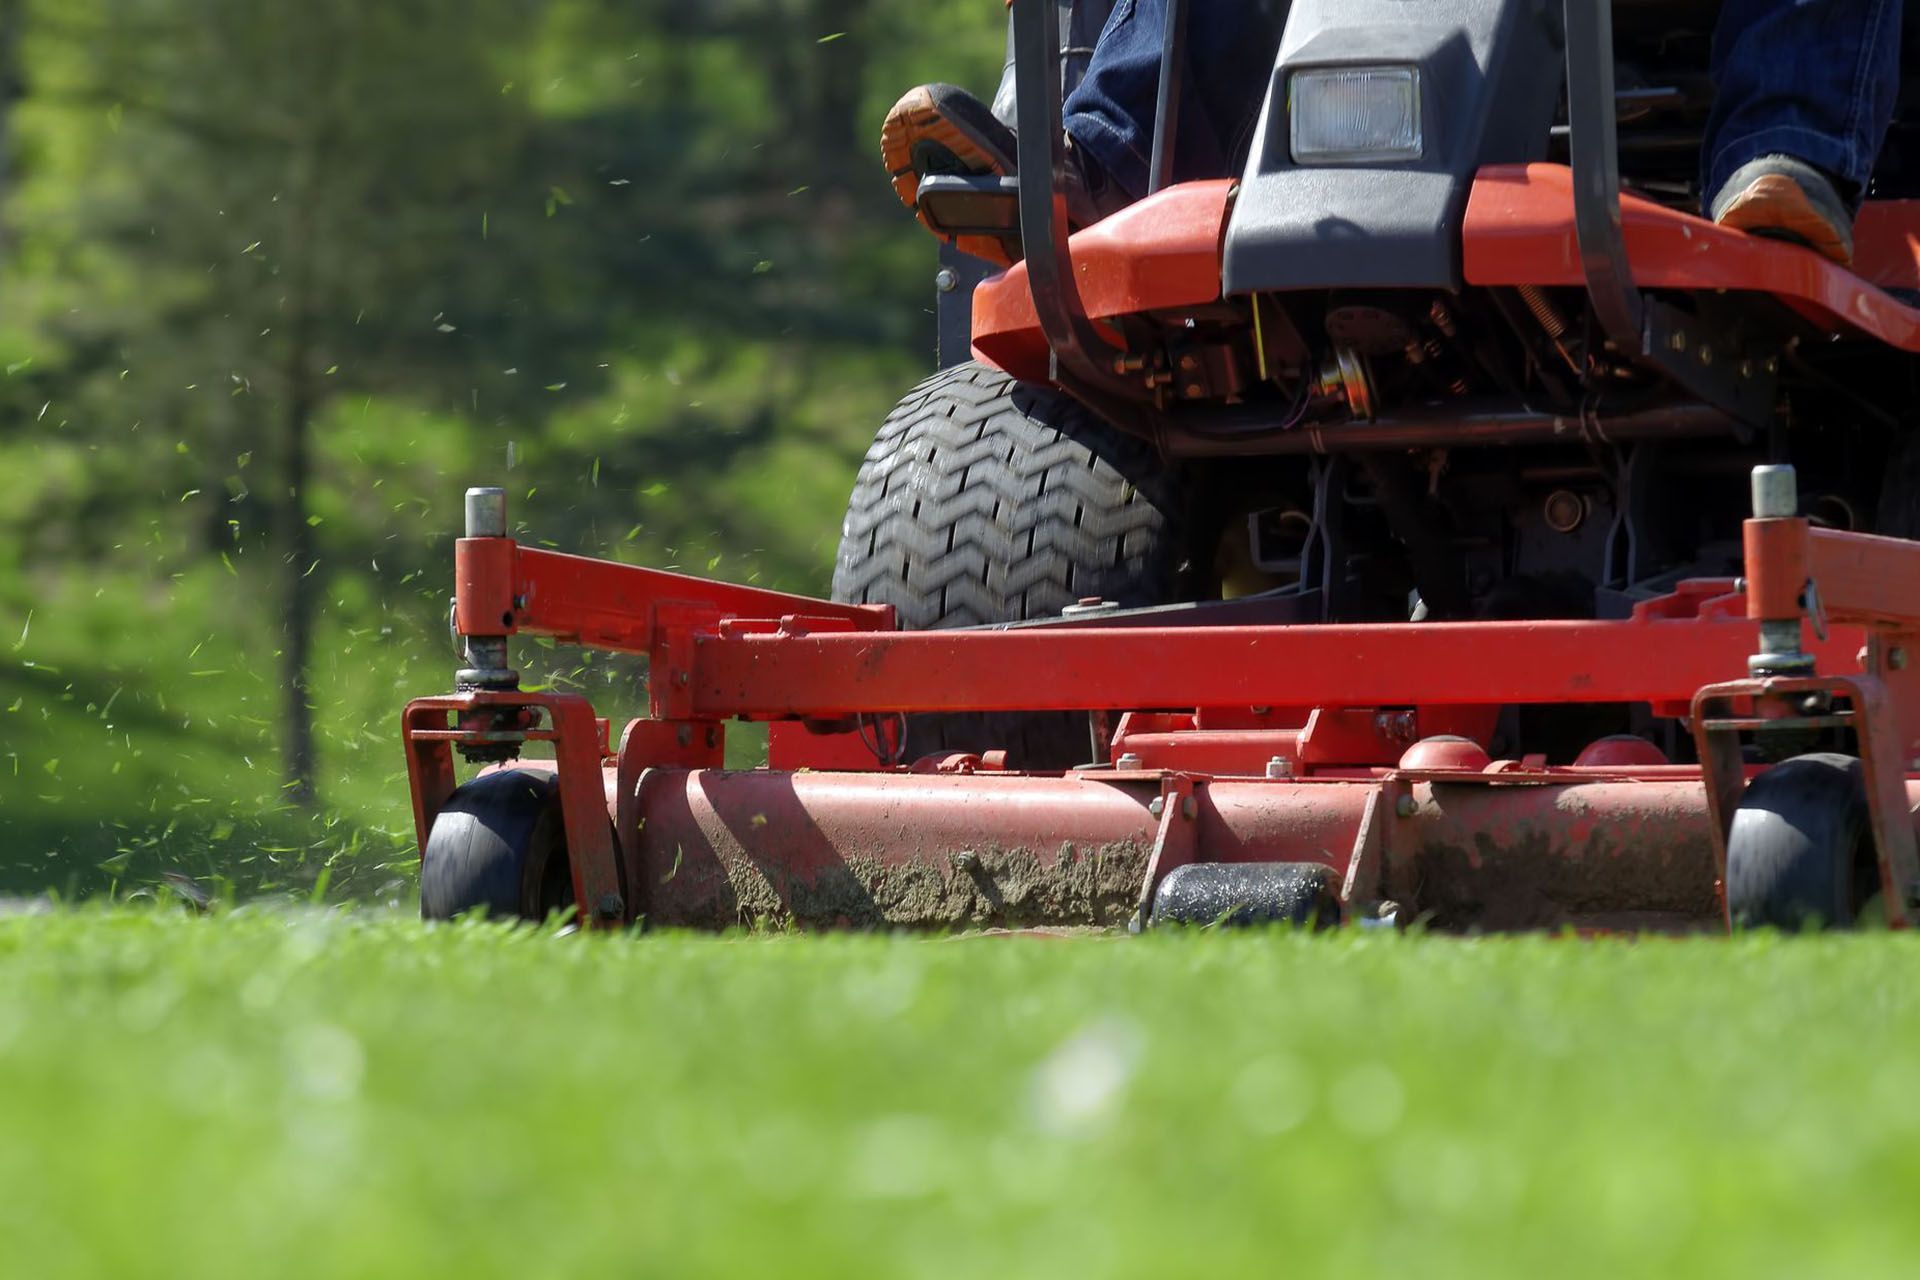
column 987, row 500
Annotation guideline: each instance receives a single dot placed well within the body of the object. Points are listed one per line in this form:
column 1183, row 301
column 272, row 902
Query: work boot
column 937, row 129
column 1787, row 199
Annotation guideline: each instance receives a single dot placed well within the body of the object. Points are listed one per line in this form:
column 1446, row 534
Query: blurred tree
column 280, row 280
column 293, row 189
column 12, row 88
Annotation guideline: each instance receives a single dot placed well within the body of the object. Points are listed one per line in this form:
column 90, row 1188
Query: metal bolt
column 1405, row 806
column 610, row 907
column 1279, row 767
column 1157, row 806
column 1129, row 763
column 1189, row 808
column 1678, row 341
column 713, row 735
column 685, row 735
column 681, row 679
column 945, row 281
column 1897, row 658
column 966, row 860
column 1746, row 368
column 486, row 513
column 1706, row 355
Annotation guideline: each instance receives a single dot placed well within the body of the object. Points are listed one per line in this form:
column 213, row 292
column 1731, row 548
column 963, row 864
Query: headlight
column 1355, row 115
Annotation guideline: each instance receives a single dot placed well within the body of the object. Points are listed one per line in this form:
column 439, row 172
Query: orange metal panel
column 1161, row 253
column 1519, row 230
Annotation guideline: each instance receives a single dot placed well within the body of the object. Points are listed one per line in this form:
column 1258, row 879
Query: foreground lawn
column 293, row 1095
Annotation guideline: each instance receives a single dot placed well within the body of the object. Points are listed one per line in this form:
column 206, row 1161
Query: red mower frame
column 1329, row 744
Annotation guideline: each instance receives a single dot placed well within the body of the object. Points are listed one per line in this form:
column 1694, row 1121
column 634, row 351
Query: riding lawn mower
column 1423, row 528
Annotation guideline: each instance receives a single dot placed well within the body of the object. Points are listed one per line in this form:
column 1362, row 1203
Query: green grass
column 319, row 1094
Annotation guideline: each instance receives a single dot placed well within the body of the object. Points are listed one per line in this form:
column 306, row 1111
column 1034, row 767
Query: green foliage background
column 636, row 259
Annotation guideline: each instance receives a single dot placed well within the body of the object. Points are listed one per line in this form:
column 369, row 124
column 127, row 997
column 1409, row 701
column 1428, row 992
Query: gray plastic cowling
column 1490, row 83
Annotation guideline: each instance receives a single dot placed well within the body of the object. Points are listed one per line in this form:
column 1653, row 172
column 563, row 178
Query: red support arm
column 833, row 674
column 503, row 588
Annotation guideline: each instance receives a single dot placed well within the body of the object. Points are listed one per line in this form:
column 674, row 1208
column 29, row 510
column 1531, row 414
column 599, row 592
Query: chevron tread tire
column 984, row 500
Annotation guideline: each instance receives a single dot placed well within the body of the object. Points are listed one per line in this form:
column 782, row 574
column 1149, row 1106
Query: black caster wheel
column 499, row 847
column 1800, row 854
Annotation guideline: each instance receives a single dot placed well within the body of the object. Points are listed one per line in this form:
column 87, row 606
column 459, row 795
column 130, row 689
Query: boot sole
column 1774, row 204
column 916, row 119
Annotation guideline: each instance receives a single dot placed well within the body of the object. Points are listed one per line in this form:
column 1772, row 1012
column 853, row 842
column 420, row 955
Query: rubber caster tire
column 1800, row 854
column 1240, row 894
column 499, row 847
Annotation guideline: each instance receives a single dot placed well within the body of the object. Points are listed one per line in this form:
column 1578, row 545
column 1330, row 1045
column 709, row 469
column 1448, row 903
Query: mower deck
column 1349, row 748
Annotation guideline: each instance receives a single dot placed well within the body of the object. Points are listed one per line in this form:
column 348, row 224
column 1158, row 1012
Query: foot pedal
column 977, row 205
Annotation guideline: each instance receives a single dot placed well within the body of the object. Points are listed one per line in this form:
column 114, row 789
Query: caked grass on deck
column 307, row 1094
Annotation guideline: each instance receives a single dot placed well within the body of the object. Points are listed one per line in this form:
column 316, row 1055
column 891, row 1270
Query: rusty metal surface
column 1493, row 858
column 716, row 849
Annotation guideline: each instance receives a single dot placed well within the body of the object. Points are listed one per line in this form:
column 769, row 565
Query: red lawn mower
column 1437, row 536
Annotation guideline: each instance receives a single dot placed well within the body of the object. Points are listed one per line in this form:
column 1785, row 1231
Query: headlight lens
column 1355, row 115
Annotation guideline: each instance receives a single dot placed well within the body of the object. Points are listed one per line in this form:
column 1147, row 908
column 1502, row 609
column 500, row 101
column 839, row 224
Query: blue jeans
column 1813, row 79
column 1231, row 46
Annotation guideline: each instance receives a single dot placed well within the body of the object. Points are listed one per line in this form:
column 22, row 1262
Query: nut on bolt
column 610, row 907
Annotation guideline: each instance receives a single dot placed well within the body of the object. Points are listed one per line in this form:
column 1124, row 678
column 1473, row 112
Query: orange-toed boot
column 937, row 129
column 1787, row 199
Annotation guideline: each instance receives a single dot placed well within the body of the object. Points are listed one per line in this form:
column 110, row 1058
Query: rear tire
column 498, row 847
column 984, row 500
column 1800, row 854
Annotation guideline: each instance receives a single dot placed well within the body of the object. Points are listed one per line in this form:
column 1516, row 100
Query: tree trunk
column 833, row 127
column 12, row 88
column 297, row 572
column 299, row 586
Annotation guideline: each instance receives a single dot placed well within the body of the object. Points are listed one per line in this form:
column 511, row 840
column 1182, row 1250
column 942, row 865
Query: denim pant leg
column 1231, row 45
column 1813, row 79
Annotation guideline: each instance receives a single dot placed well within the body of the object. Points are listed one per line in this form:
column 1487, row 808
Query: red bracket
column 580, row 753
column 1176, row 842
column 1722, row 712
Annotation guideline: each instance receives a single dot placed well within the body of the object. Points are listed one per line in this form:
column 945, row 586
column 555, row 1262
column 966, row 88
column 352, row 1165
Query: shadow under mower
column 1418, row 529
